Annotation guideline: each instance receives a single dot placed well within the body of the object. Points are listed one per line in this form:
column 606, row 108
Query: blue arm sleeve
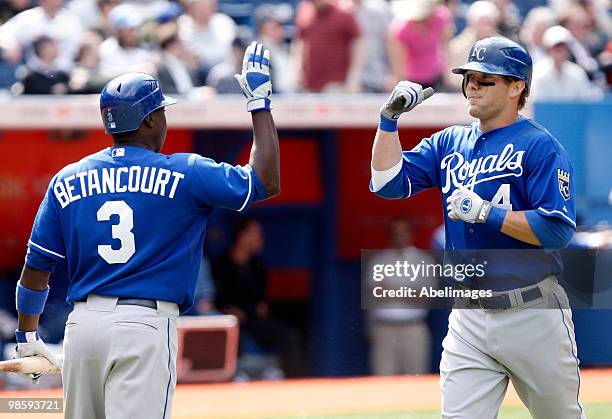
column 223, row 185
column 259, row 191
column 550, row 189
column 552, row 232
column 419, row 172
column 46, row 245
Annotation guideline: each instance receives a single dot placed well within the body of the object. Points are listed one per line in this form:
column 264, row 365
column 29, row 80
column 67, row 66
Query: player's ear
column 516, row 88
column 149, row 120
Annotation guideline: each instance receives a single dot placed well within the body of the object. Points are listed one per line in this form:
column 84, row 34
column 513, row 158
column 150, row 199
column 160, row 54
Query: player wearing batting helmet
column 506, row 183
column 129, row 223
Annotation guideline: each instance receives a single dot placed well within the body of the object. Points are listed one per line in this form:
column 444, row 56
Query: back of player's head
column 126, row 101
column 500, row 56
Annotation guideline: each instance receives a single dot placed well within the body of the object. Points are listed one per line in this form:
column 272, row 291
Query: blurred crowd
column 353, row 46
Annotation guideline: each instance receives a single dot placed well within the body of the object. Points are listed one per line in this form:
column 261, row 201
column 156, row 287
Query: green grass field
column 593, row 411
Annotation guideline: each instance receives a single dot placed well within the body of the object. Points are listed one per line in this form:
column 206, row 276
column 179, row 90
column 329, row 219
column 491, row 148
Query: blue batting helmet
column 126, row 100
column 499, row 55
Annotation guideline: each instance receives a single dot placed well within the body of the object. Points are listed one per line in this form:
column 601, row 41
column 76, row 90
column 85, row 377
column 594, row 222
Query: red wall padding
column 300, row 171
column 363, row 218
column 28, row 161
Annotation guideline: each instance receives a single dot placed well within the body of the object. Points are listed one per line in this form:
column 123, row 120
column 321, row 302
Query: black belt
column 122, row 301
column 502, row 301
column 137, row 302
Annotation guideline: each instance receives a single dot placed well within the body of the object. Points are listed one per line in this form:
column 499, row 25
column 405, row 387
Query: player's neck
column 133, row 144
column 502, row 120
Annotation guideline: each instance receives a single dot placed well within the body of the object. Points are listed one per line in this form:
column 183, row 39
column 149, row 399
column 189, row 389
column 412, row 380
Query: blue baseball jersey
column 130, row 222
column 519, row 167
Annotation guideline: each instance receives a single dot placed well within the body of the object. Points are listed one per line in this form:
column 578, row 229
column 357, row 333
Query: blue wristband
column 26, row 337
column 388, row 125
column 30, row 302
column 496, row 217
column 261, row 104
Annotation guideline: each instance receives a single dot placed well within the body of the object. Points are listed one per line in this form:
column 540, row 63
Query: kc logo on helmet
column 479, row 53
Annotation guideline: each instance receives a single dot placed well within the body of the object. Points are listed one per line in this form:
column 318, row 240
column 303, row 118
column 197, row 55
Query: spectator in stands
column 94, row 14
column 240, row 280
column 585, row 45
column 399, row 335
column 10, row 8
column 207, row 33
column 42, row 76
column 86, row 77
column 557, row 78
column 482, row 22
column 221, row 77
column 49, row 19
column 535, row 24
column 123, row 51
column 374, row 18
column 169, row 13
column 418, row 42
column 509, row 19
column 327, row 49
column 605, row 61
column 270, row 21
column 176, row 65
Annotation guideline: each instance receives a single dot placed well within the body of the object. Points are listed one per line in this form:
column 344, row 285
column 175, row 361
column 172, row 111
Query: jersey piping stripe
column 46, row 250
column 573, row 354
column 409, row 187
column 246, row 201
column 169, row 371
column 560, row 213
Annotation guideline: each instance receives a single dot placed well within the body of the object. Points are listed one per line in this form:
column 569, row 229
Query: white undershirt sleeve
column 381, row 178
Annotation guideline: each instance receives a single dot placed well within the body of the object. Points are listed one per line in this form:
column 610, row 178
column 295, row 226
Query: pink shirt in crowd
column 425, row 54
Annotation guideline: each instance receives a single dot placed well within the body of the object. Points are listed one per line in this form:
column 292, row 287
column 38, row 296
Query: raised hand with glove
column 255, row 77
column 404, row 97
column 387, row 150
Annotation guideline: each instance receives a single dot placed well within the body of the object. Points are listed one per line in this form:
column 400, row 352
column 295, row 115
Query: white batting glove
column 30, row 344
column 404, row 97
column 466, row 205
column 255, row 78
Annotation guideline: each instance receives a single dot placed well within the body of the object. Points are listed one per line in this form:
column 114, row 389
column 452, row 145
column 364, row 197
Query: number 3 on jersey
column 121, row 232
column 502, row 197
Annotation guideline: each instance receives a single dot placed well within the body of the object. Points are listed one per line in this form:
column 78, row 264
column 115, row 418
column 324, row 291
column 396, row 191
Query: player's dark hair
column 524, row 94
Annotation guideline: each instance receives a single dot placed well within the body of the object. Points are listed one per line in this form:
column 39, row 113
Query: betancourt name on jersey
column 149, row 180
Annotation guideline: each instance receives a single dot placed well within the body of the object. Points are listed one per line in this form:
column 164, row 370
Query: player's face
column 488, row 95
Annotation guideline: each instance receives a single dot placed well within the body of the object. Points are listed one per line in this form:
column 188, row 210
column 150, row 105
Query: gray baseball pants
column 533, row 346
column 119, row 360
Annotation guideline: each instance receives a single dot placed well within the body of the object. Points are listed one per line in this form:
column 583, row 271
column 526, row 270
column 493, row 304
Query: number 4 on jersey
column 502, row 197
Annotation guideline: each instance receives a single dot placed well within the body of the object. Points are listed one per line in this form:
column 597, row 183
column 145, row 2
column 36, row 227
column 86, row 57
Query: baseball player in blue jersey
column 129, row 222
column 506, row 184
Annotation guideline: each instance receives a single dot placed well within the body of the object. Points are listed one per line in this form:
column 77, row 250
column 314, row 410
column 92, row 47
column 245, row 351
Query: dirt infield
column 323, row 396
